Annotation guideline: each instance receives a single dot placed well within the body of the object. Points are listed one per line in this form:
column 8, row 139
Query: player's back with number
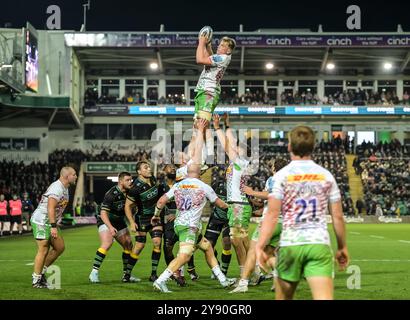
column 305, row 189
column 190, row 195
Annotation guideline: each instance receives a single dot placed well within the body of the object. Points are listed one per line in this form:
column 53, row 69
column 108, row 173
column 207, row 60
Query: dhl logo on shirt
column 188, row 186
column 305, row 177
column 63, row 203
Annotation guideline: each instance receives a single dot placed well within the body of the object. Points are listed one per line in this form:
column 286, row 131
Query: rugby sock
column 191, row 264
column 165, row 275
column 226, row 260
column 156, row 254
column 181, row 271
column 243, row 282
column 132, row 260
column 168, row 254
column 44, row 270
column 241, row 269
column 125, row 257
column 36, row 277
column 218, row 273
column 99, row 258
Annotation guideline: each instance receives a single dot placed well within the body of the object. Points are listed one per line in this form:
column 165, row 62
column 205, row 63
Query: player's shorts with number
column 41, row 231
column 206, row 101
column 187, row 234
column 239, row 215
column 274, row 241
column 308, row 260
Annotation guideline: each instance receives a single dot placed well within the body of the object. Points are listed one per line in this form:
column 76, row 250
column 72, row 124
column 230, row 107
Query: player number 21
column 303, row 206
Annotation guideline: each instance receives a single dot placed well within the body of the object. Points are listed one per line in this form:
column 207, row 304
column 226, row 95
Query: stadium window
column 18, row 144
column 5, row 143
column 33, row 144
column 143, row 131
column 406, row 91
column 152, row 92
column 229, row 90
column 254, row 86
column 307, row 86
column 368, row 83
column 110, row 90
column 175, row 92
column 386, row 87
column 333, row 86
column 95, row 131
column 119, row 131
column 134, row 91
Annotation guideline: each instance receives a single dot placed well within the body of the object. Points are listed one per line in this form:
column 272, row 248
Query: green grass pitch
column 381, row 252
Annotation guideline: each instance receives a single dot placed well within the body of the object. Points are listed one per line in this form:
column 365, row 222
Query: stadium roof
column 293, row 53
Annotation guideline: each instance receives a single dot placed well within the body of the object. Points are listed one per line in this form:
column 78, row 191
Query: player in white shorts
column 303, row 191
column 190, row 195
column 44, row 223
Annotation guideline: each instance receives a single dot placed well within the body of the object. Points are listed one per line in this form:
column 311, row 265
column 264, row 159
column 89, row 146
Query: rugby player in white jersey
column 274, row 241
column 190, row 196
column 303, row 191
column 44, row 223
column 239, row 212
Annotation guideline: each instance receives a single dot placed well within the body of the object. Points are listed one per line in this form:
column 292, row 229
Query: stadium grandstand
column 97, row 101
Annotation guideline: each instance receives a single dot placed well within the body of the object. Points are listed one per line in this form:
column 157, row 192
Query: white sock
column 36, row 277
column 219, row 274
column 243, row 282
column 165, row 275
column 241, row 270
column 181, row 271
column 44, row 270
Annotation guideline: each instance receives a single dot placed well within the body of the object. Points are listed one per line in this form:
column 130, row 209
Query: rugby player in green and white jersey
column 274, row 241
column 208, row 89
column 303, row 191
column 190, row 195
column 239, row 212
column 44, row 222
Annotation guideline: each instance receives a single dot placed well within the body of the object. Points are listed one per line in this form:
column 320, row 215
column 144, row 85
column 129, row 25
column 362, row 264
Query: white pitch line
column 30, row 264
column 352, row 232
column 381, row 260
column 377, row 237
column 404, row 241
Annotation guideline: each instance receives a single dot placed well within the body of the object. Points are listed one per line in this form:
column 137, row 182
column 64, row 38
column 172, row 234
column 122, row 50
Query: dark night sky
column 188, row 15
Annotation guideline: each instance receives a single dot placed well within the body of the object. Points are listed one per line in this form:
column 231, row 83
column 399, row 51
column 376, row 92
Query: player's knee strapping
column 238, row 232
column 141, row 239
column 156, row 233
column 204, row 244
column 186, row 248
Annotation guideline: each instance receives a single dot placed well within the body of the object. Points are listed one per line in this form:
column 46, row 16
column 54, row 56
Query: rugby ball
column 206, row 32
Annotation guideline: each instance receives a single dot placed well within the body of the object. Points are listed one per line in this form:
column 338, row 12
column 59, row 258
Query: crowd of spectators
column 385, row 173
column 356, row 97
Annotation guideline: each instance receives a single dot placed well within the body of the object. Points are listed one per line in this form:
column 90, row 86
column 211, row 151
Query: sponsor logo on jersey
column 305, row 177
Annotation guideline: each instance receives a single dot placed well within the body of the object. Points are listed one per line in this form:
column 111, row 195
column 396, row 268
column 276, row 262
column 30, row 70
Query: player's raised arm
column 202, row 54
